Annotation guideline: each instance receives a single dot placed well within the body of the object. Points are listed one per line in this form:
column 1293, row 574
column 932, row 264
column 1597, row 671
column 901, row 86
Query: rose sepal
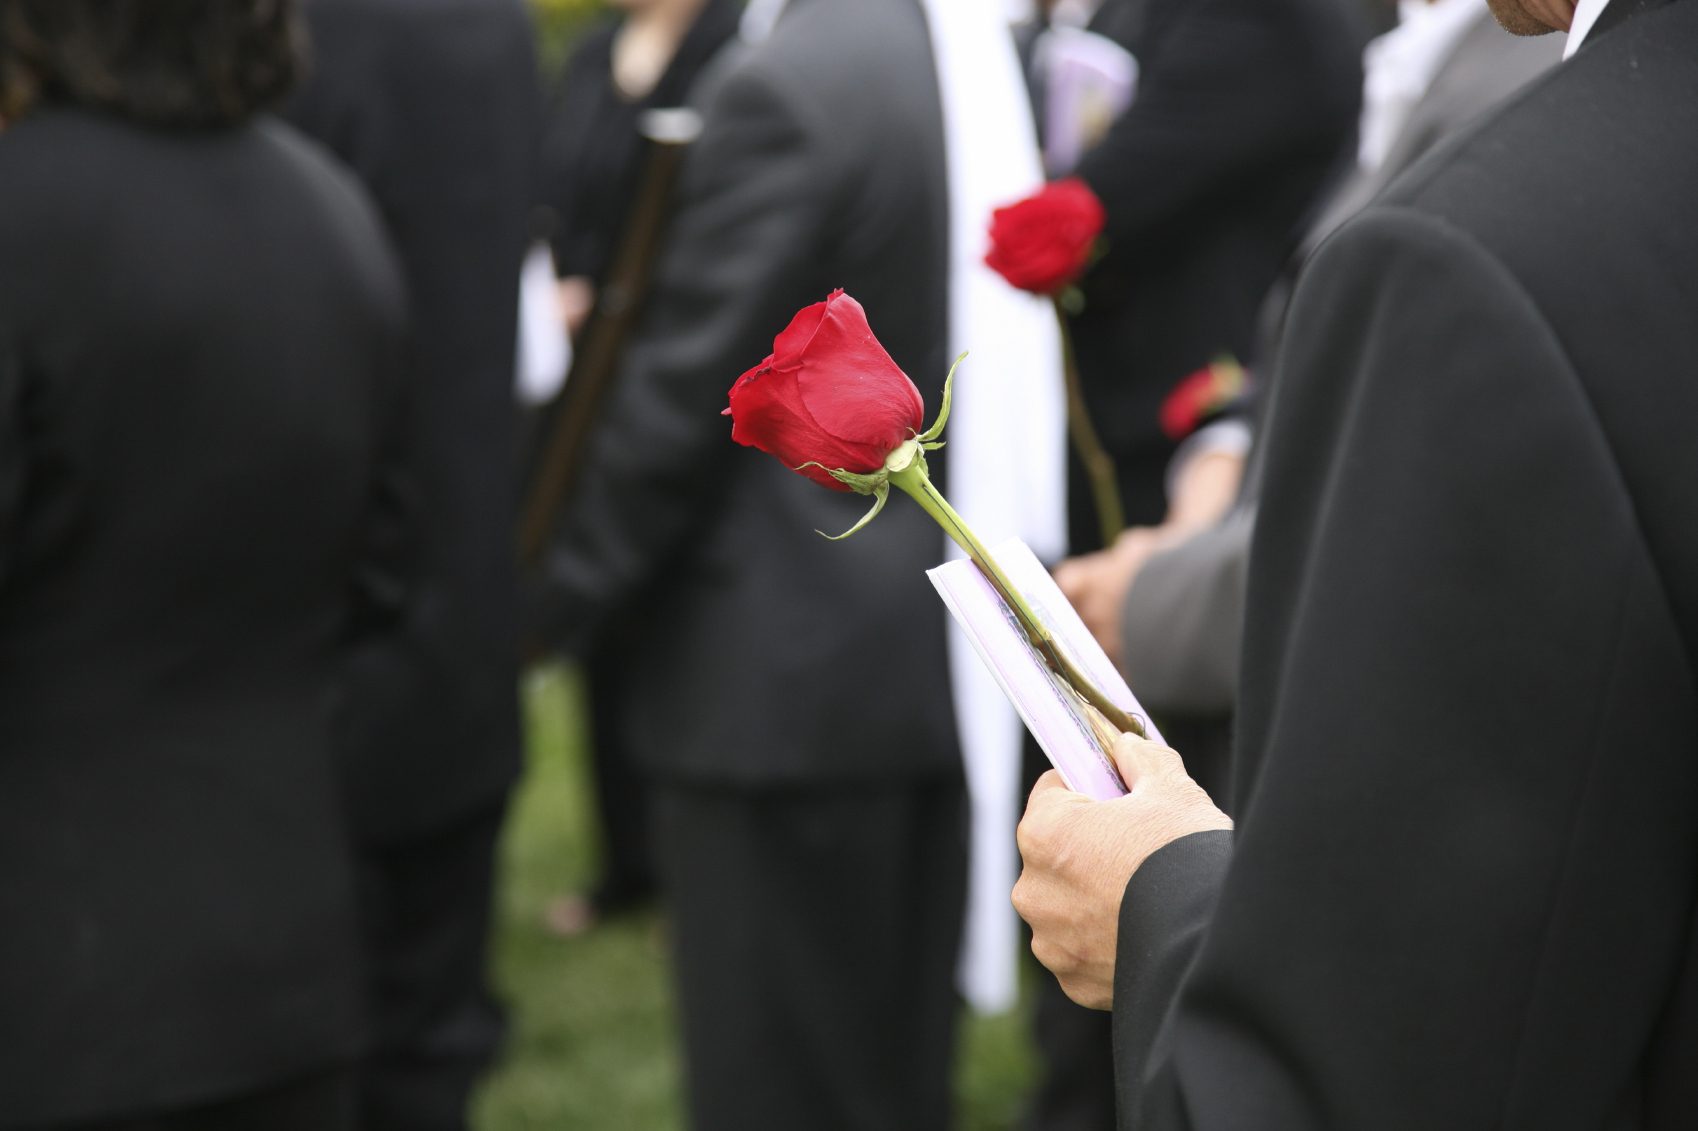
column 929, row 438
column 877, row 483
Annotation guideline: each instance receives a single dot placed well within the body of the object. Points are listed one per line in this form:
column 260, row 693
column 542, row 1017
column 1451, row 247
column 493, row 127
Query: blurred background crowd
column 416, row 713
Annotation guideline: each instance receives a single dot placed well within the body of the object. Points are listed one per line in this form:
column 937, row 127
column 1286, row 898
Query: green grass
column 593, row 1042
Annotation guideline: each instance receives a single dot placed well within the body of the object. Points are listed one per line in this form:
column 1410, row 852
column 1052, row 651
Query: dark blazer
column 1243, row 111
column 770, row 654
column 198, row 346
column 1463, row 887
column 433, row 105
column 1191, row 598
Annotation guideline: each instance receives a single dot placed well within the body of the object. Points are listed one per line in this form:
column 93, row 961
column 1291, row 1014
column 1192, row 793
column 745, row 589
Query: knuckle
column 1021, row 896
column 1083, row 993
column 1027, row 838
column 1051, row 957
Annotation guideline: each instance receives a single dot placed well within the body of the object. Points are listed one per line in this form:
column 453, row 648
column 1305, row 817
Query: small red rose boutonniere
column 1044, row 243
column 833, row 405
column 1201, row 395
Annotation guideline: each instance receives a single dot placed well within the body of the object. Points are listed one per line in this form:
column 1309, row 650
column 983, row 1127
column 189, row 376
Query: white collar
column 1586, row 14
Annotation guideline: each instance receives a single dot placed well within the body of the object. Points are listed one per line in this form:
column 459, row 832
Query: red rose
column 1044, row 242
column 1199, row 396
column 828, row 394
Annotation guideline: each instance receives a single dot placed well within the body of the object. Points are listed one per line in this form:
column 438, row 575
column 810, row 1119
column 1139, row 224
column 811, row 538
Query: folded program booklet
column 1052, row 711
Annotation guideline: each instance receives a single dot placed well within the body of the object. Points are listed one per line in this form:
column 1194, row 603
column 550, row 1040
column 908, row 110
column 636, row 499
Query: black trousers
column 621, row 789
column 426, row 904
column 815, row 934
column 322, row 1102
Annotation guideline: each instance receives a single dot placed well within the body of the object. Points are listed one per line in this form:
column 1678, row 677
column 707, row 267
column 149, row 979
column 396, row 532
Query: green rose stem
column 907, row 468
column 1099, row 465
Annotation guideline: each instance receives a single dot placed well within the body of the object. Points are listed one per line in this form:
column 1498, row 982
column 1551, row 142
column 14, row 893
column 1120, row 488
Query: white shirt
column 1009, row 397
column 1400, row 65
column 1586, row 14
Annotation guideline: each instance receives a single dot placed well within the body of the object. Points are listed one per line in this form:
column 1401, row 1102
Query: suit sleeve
column 754, row 193
column 1462, row 881
column 1224, row 87
column 1183, row 621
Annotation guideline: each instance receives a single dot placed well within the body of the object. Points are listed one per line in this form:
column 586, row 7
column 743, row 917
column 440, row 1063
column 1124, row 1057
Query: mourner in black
column 1463, row 885
column 200, row 327
column 811, row 834
column 432, row 103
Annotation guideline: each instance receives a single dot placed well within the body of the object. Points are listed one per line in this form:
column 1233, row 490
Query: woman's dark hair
column 173, row 63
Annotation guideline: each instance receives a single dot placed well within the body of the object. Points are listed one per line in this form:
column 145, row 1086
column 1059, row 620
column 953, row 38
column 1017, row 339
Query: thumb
column 1139, row 759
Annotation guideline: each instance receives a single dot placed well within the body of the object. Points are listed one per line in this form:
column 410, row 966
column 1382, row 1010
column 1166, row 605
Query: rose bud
column 1044, row 242
column 828, row 397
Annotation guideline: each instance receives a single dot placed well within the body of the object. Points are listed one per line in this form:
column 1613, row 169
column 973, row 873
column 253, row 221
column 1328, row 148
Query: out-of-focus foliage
column 559, row 22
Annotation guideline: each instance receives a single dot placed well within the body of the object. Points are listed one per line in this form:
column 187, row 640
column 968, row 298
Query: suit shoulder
column 339, row 204
column 1604, row 135
column 849, row 56
column 320, row 175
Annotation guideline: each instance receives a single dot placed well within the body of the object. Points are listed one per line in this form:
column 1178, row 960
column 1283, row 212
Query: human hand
column 576, row 299
column 1096, row 584
column 1079, row 854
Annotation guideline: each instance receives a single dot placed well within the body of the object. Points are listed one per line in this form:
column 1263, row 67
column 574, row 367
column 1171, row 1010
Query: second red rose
column 1043, row 243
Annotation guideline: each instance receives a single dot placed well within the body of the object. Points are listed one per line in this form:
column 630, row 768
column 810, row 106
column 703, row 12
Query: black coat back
column 197, row 354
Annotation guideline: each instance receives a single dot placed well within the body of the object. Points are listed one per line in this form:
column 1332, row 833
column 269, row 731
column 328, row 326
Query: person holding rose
column 1463, row 883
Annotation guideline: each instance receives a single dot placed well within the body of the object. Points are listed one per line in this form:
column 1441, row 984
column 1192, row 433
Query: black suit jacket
column 1463, row 888
column 433, row 104
column 1191, row 598
column 198, row 345
column 769, row 655
column 1242, row 113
